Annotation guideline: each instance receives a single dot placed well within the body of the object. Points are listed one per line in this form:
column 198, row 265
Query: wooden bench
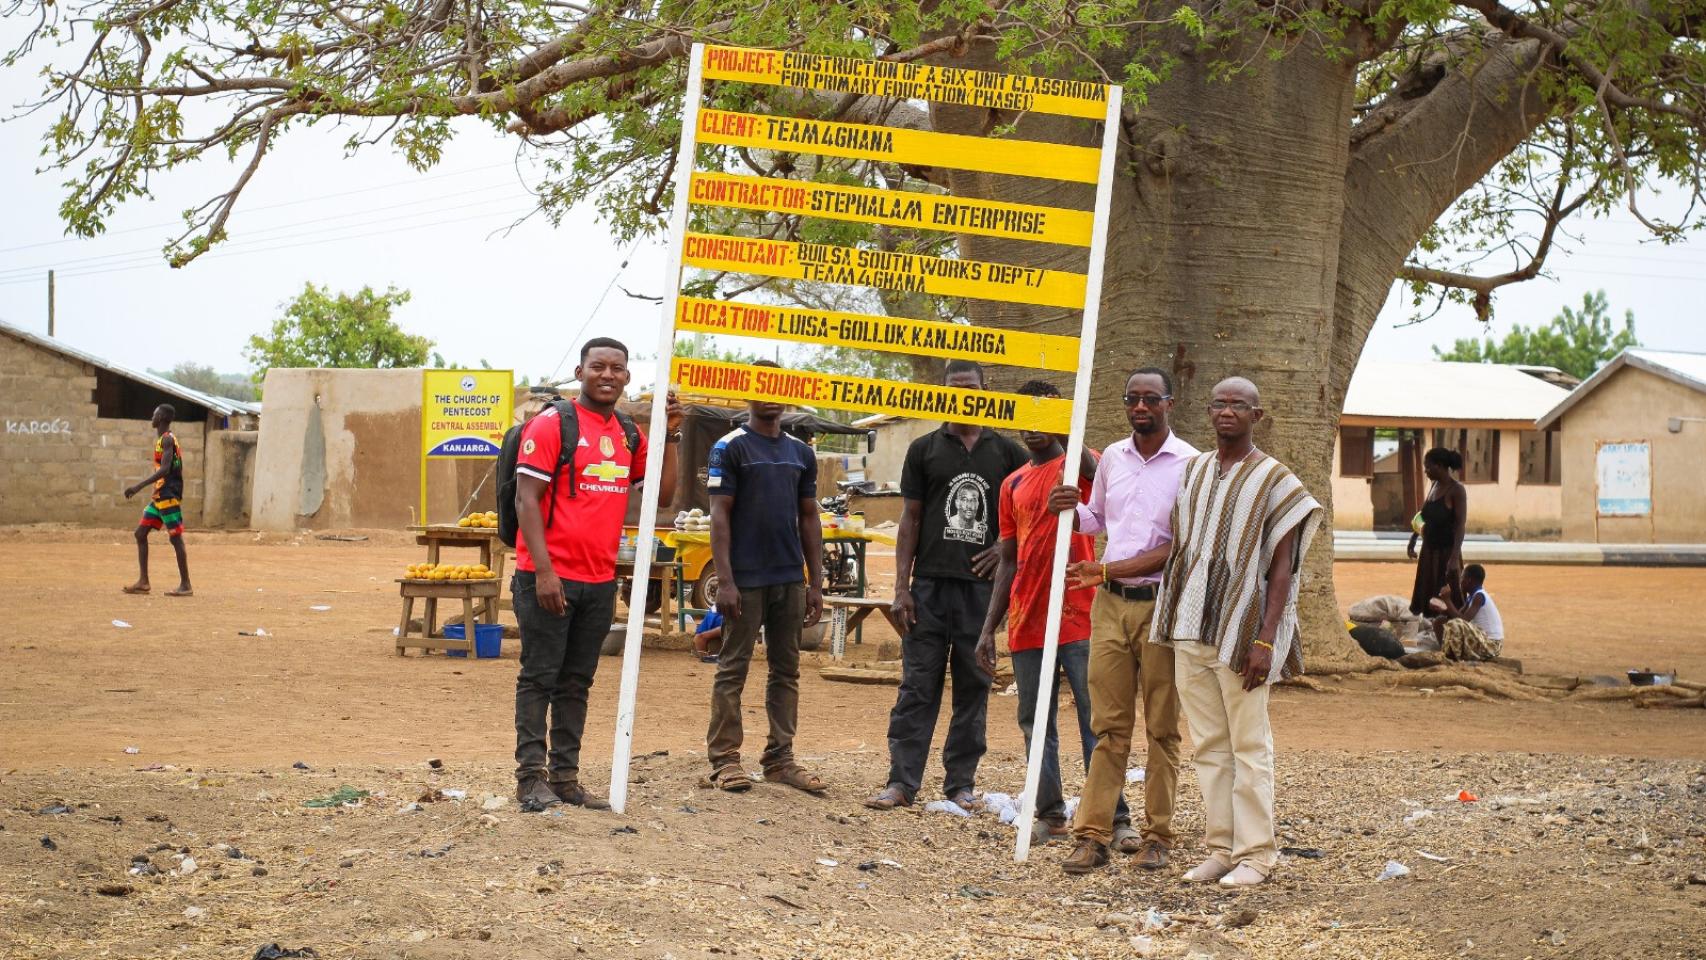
column 847, row 613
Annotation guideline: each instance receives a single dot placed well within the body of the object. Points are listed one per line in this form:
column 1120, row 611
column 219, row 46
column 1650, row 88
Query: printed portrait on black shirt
column 967, row 509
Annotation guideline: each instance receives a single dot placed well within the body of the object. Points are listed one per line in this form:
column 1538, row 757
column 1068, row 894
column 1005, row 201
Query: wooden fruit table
column 492, row 553
column 433, row 591
column 480, row 598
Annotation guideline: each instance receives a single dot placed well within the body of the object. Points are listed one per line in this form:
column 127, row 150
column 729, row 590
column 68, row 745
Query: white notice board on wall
column 1623, row 479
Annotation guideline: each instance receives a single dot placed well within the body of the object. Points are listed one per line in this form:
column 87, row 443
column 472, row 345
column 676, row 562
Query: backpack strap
column 569, row 434
column 631, row 431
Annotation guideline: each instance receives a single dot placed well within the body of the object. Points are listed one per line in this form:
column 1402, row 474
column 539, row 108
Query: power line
column 573, row 340
column 151, row 254
column 287, row 246
column 270, row 206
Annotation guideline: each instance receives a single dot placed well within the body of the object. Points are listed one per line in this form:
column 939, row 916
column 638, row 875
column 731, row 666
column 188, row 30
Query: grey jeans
column 559, row 655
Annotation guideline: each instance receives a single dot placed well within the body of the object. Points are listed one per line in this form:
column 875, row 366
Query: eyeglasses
column 1236, row 406
column 1149, row 400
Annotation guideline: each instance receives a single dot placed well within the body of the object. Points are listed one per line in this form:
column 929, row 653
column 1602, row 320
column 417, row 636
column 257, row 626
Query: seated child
column 1475, row 631
column 708, row 637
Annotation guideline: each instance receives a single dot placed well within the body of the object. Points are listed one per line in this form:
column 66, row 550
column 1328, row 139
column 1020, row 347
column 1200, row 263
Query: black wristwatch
column 674, row 436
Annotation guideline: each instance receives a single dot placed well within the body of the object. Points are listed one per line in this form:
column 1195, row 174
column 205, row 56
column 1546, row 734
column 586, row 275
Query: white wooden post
column 1074, row 453
column 657, row 428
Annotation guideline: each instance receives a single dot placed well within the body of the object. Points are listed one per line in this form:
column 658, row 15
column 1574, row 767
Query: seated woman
column 1474, row 631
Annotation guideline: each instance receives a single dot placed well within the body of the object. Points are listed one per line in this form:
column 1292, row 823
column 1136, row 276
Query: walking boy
column 165, row 509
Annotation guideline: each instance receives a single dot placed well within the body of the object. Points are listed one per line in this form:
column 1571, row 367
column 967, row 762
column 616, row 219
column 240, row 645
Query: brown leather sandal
column 797, row 777
column 730, row 777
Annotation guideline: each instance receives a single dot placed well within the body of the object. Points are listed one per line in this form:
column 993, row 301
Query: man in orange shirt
column 1022, row 583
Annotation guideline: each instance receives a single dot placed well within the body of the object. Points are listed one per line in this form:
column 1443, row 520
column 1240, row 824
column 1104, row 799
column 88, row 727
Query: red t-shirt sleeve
column 541, row 443
column 1009, row 524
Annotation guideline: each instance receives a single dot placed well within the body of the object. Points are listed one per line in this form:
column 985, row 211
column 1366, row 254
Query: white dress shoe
column 1244, row 876
column 1208, row 871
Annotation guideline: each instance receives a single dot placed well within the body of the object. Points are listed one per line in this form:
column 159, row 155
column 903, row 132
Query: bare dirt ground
column 1589, row 839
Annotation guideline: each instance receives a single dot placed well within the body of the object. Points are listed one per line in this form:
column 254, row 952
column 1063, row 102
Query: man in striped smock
column 1228, row 607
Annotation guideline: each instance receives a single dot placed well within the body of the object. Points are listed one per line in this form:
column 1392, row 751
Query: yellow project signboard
column 739, row 381
column 908, row 81
column 930, row 338
column 907, row 272
column 465, row 413
column 900, row 208
column 1019, row 158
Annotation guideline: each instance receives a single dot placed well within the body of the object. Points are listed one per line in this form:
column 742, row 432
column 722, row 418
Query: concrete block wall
column 59, row 462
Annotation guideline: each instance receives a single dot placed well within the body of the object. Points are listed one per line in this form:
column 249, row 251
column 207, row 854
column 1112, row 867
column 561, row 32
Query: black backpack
column 568, row 421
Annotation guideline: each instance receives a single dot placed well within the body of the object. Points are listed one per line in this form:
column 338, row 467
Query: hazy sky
column 521, row 298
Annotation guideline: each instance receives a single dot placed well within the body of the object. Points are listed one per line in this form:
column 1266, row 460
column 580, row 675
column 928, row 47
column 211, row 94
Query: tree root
column 1341, row 668
column 1306, row 683
column 1438, row 677
column 1632, row 693
column 1665, row 703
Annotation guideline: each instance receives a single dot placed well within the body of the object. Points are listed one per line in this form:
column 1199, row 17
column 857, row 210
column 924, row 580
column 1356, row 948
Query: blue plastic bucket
column 488, row 639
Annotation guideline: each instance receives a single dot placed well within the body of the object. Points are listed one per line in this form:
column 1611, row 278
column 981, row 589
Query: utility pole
column 50, row 303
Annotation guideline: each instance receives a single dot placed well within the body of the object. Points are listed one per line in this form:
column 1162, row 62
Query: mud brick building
column 74, row 432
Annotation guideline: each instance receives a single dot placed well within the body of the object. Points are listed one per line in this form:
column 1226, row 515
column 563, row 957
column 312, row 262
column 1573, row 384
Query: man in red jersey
column 569, row 511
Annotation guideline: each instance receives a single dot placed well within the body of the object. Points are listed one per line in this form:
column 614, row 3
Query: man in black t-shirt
column 767, row 542
column 944, row 556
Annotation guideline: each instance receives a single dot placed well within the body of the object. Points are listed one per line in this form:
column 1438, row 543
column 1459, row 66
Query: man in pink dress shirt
column 1132, row 500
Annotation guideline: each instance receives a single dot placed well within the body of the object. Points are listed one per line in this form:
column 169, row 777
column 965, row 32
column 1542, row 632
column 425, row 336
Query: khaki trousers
column 781, row 611
column 1234, row 754
column 1124, row 665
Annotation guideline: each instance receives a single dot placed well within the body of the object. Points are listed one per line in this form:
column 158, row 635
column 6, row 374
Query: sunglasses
column 1150, row 400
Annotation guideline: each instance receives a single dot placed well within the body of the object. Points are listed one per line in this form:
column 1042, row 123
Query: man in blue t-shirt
column 767, row 543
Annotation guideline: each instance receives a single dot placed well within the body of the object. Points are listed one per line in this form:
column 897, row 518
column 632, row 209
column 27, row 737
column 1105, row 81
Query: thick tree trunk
column 1223, row 260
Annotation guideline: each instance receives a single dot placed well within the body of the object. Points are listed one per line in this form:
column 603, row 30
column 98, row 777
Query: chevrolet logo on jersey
column 607, row 471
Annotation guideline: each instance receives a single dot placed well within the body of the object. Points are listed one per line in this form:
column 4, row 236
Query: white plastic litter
column 1154, row 920
column 1416, row 816
column 1393, row 871
column 455, row 794
column 320, row 607
column 826, row 862
column 1071, row 807
column 133, row 750
column 1134, row 775
column 1143, row 946
column 121, row 625
column 1004, row 806
column 947, row 806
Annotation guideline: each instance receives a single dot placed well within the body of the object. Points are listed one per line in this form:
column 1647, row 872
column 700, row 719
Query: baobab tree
column 1282, row 164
